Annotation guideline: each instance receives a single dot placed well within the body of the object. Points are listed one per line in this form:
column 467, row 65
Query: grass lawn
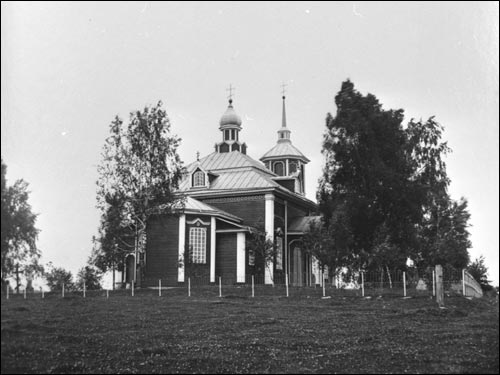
column 240, row 334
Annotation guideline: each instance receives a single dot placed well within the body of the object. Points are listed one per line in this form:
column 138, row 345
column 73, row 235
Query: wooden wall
column 162, row 250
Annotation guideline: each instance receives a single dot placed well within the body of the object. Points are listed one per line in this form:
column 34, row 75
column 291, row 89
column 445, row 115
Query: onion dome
column 230, row 117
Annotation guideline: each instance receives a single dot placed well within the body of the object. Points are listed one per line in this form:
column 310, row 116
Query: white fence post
column 159, row 287
column 220, row 286
column 24, row 293
column 132, row 288
column 362, row 284
column 324, row 278
column 42, row 293
column 7, row 290
column 433, row 283
column 83, row 290
column 404, row 283
column 107, row 293
column 463, row 281
column 253, row 288
column 286, row 283
column 63, row 291
column 189, row 287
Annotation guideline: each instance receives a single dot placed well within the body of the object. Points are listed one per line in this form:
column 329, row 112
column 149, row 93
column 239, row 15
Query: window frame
column 198, row 245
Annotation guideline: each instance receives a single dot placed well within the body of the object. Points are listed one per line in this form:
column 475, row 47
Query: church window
column 198, row 179
column 233, row 134
column 279, row 253
column 198, row 244
column 292, row 167
column 279, row 168
column 226, row 134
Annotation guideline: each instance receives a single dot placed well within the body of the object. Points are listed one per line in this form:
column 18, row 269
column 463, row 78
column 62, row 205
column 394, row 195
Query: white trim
column 182, row 243
column 240, row 258
column 212, row 250
column 269, row 227
column 198, row 220
column 232, row 230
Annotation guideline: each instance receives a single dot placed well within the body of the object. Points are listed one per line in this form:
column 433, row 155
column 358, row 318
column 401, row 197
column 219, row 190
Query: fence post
column 42, row 293
column 324, row 285
column 286, row 283
column 132, row 288
column 433, row 283
column 220, row 286
column 24, row 293
column 63, row 291
column 83, row 290
column 404, row 283
column 253, row 290
column 439, row 286
column 159, row 287
column 362, row 284
column 7, row 291
column 463, row 281
column 107, row 293
column 189, row 287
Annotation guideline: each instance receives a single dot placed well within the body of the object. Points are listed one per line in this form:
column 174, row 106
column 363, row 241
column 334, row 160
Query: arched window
column 198, row 179
column 279, row 168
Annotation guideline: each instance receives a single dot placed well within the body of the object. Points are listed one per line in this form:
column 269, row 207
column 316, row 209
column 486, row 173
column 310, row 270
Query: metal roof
column 284, row 149
column 192, row 205
column 218, row 161
column 234, row 173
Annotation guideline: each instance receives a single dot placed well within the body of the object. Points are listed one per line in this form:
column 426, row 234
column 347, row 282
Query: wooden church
column 228, row 195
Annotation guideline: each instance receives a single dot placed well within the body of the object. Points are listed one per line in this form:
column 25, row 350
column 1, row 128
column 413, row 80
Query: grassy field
column 240, row 334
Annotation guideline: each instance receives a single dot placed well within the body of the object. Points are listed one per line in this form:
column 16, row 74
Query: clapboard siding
column 252, row 211
column 162, row 250
column 225, row 256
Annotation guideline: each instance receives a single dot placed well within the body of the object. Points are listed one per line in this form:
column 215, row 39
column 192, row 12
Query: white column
column 269, row 226
column 240, row 257
column 212, row 250
column 182, row 242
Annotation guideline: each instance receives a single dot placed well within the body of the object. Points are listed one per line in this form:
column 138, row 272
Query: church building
column 229, row 195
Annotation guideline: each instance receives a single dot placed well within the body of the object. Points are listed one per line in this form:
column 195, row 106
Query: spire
column 283, row 133
column 283, row 118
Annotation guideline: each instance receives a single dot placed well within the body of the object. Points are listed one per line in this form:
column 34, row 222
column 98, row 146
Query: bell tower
column 285, row 159
column 230, row 126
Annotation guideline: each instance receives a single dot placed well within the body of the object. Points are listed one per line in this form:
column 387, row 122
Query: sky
column 67, row 69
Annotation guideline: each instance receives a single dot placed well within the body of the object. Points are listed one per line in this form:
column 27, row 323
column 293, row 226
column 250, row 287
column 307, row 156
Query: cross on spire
column 283, row 90
column 230, row 89
column 197, row 155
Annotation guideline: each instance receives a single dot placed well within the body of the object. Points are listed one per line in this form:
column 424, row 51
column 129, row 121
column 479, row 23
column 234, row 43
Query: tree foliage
column 56, row 277
column 138, row 174
column 330, row 243
column 261, row 248
column 90, row 276
column 389, row 183
column 479, row 272
column 18, row 233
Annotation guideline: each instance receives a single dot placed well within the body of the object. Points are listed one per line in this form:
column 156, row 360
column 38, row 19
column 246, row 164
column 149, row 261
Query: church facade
column 229, row 195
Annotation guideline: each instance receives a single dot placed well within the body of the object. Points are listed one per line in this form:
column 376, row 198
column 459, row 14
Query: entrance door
column 130, row 263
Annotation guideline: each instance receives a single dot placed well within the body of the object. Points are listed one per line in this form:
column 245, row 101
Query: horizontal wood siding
column 225, row 257
column 252, row 210
column 162, row 250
